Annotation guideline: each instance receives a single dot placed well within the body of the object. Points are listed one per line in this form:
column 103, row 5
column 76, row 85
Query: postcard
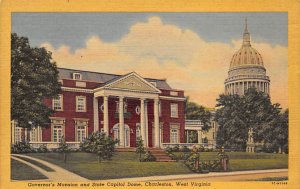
column 154, row 94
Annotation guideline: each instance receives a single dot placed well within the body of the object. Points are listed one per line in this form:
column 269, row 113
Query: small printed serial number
column 279, row 183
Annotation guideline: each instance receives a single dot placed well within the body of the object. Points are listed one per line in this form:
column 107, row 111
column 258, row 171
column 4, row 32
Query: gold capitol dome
column 246, row 69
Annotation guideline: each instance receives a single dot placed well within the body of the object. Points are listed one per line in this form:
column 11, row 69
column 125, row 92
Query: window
column 18, row 132
column 173, row 93
column 77, row 76
column 174, row 110
column 81, row 133
column 57, row 133
column 80, row 103
column 153, row 83
column 174, row 136
column 57, row 103
column 138, row 131
column 33, row 135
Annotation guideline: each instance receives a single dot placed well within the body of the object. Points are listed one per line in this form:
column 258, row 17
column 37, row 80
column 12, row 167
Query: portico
column 130, row 86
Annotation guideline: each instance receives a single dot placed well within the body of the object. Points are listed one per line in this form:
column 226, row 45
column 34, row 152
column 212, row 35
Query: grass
column 122, row 165
column 46, row 168
column 21, row 171
column 239, row 161
column 126, row 164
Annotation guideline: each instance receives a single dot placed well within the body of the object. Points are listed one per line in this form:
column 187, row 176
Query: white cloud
column 158, row 50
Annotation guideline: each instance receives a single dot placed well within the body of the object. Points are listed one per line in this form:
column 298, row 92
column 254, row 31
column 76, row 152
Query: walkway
column 216, row 176
column 59, row 174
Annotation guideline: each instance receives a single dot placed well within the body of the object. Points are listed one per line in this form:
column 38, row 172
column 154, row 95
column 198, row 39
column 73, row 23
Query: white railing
column 53, row 145
column 189, row 145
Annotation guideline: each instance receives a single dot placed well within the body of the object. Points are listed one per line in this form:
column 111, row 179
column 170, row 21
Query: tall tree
column 195, row 111
column 276, row 134
column 236, row 114
column 34, row 77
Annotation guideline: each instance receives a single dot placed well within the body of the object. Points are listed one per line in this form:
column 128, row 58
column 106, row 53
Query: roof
column 104, row 78
column 246, row 55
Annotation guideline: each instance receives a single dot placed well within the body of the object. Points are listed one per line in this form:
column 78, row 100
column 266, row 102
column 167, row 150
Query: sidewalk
column 59, row 174
column 210, row 176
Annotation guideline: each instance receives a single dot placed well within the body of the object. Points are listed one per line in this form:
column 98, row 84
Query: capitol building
column 246, row 69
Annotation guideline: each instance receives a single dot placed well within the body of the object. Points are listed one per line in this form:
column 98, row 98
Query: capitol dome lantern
column 246, row 69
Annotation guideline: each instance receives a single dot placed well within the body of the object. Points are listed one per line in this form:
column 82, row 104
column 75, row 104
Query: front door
column 116, row 135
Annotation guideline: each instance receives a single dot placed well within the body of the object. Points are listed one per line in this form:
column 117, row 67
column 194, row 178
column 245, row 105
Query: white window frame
column 18, row 134
column 138, row 131
column 33, row 136
column 153, row 83
column 81, row 133
column 77, row 104
column 58, row 100
column 174, row 110
column 58, row 132
column 75, row 75
column 174, row 135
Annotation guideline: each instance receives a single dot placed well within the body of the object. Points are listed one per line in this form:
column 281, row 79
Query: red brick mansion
column 123, row 106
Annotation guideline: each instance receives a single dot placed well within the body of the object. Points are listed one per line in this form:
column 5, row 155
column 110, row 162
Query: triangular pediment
column 132, row 82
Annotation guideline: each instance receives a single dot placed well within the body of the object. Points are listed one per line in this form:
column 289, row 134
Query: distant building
column 123, row 106
column 247, row 71
column 205, row 138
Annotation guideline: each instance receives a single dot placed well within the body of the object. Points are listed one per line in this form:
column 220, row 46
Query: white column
column 199, row 136
column 105, row 115
column 146, row 124
column 38, row 134
column 26, row 137
column 156, row 124
column 96, row 114
column 143, row 127
column 243, row 92
column 121, row 122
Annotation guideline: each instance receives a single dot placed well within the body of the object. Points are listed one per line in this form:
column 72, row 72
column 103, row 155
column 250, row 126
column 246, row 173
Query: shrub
column 42, row 149
column 140, row 149
column 173, row 156
column 168, row 150
column 184, row 156
column 175, row 148
column 184, row 149
column 21, row 147
column 100, row 144
column 149, row 157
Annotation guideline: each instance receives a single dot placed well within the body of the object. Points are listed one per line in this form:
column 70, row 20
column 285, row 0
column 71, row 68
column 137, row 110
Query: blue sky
column 74, row 28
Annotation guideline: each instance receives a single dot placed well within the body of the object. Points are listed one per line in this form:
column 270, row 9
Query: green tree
column 100, row 144
column 276, row 134
column 195, row 111
column 63, row 148
column 140, row 149
column 34, row 77
column 236, row 114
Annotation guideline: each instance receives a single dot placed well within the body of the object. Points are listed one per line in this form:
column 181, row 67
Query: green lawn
column 249, row 161
column 123, row 164
column 126, row 164
column 21, row 171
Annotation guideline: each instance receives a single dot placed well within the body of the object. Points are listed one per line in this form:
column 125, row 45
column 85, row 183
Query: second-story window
column 174, row 110
column 80, row 103
column 77, row 76
column 57, row 103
